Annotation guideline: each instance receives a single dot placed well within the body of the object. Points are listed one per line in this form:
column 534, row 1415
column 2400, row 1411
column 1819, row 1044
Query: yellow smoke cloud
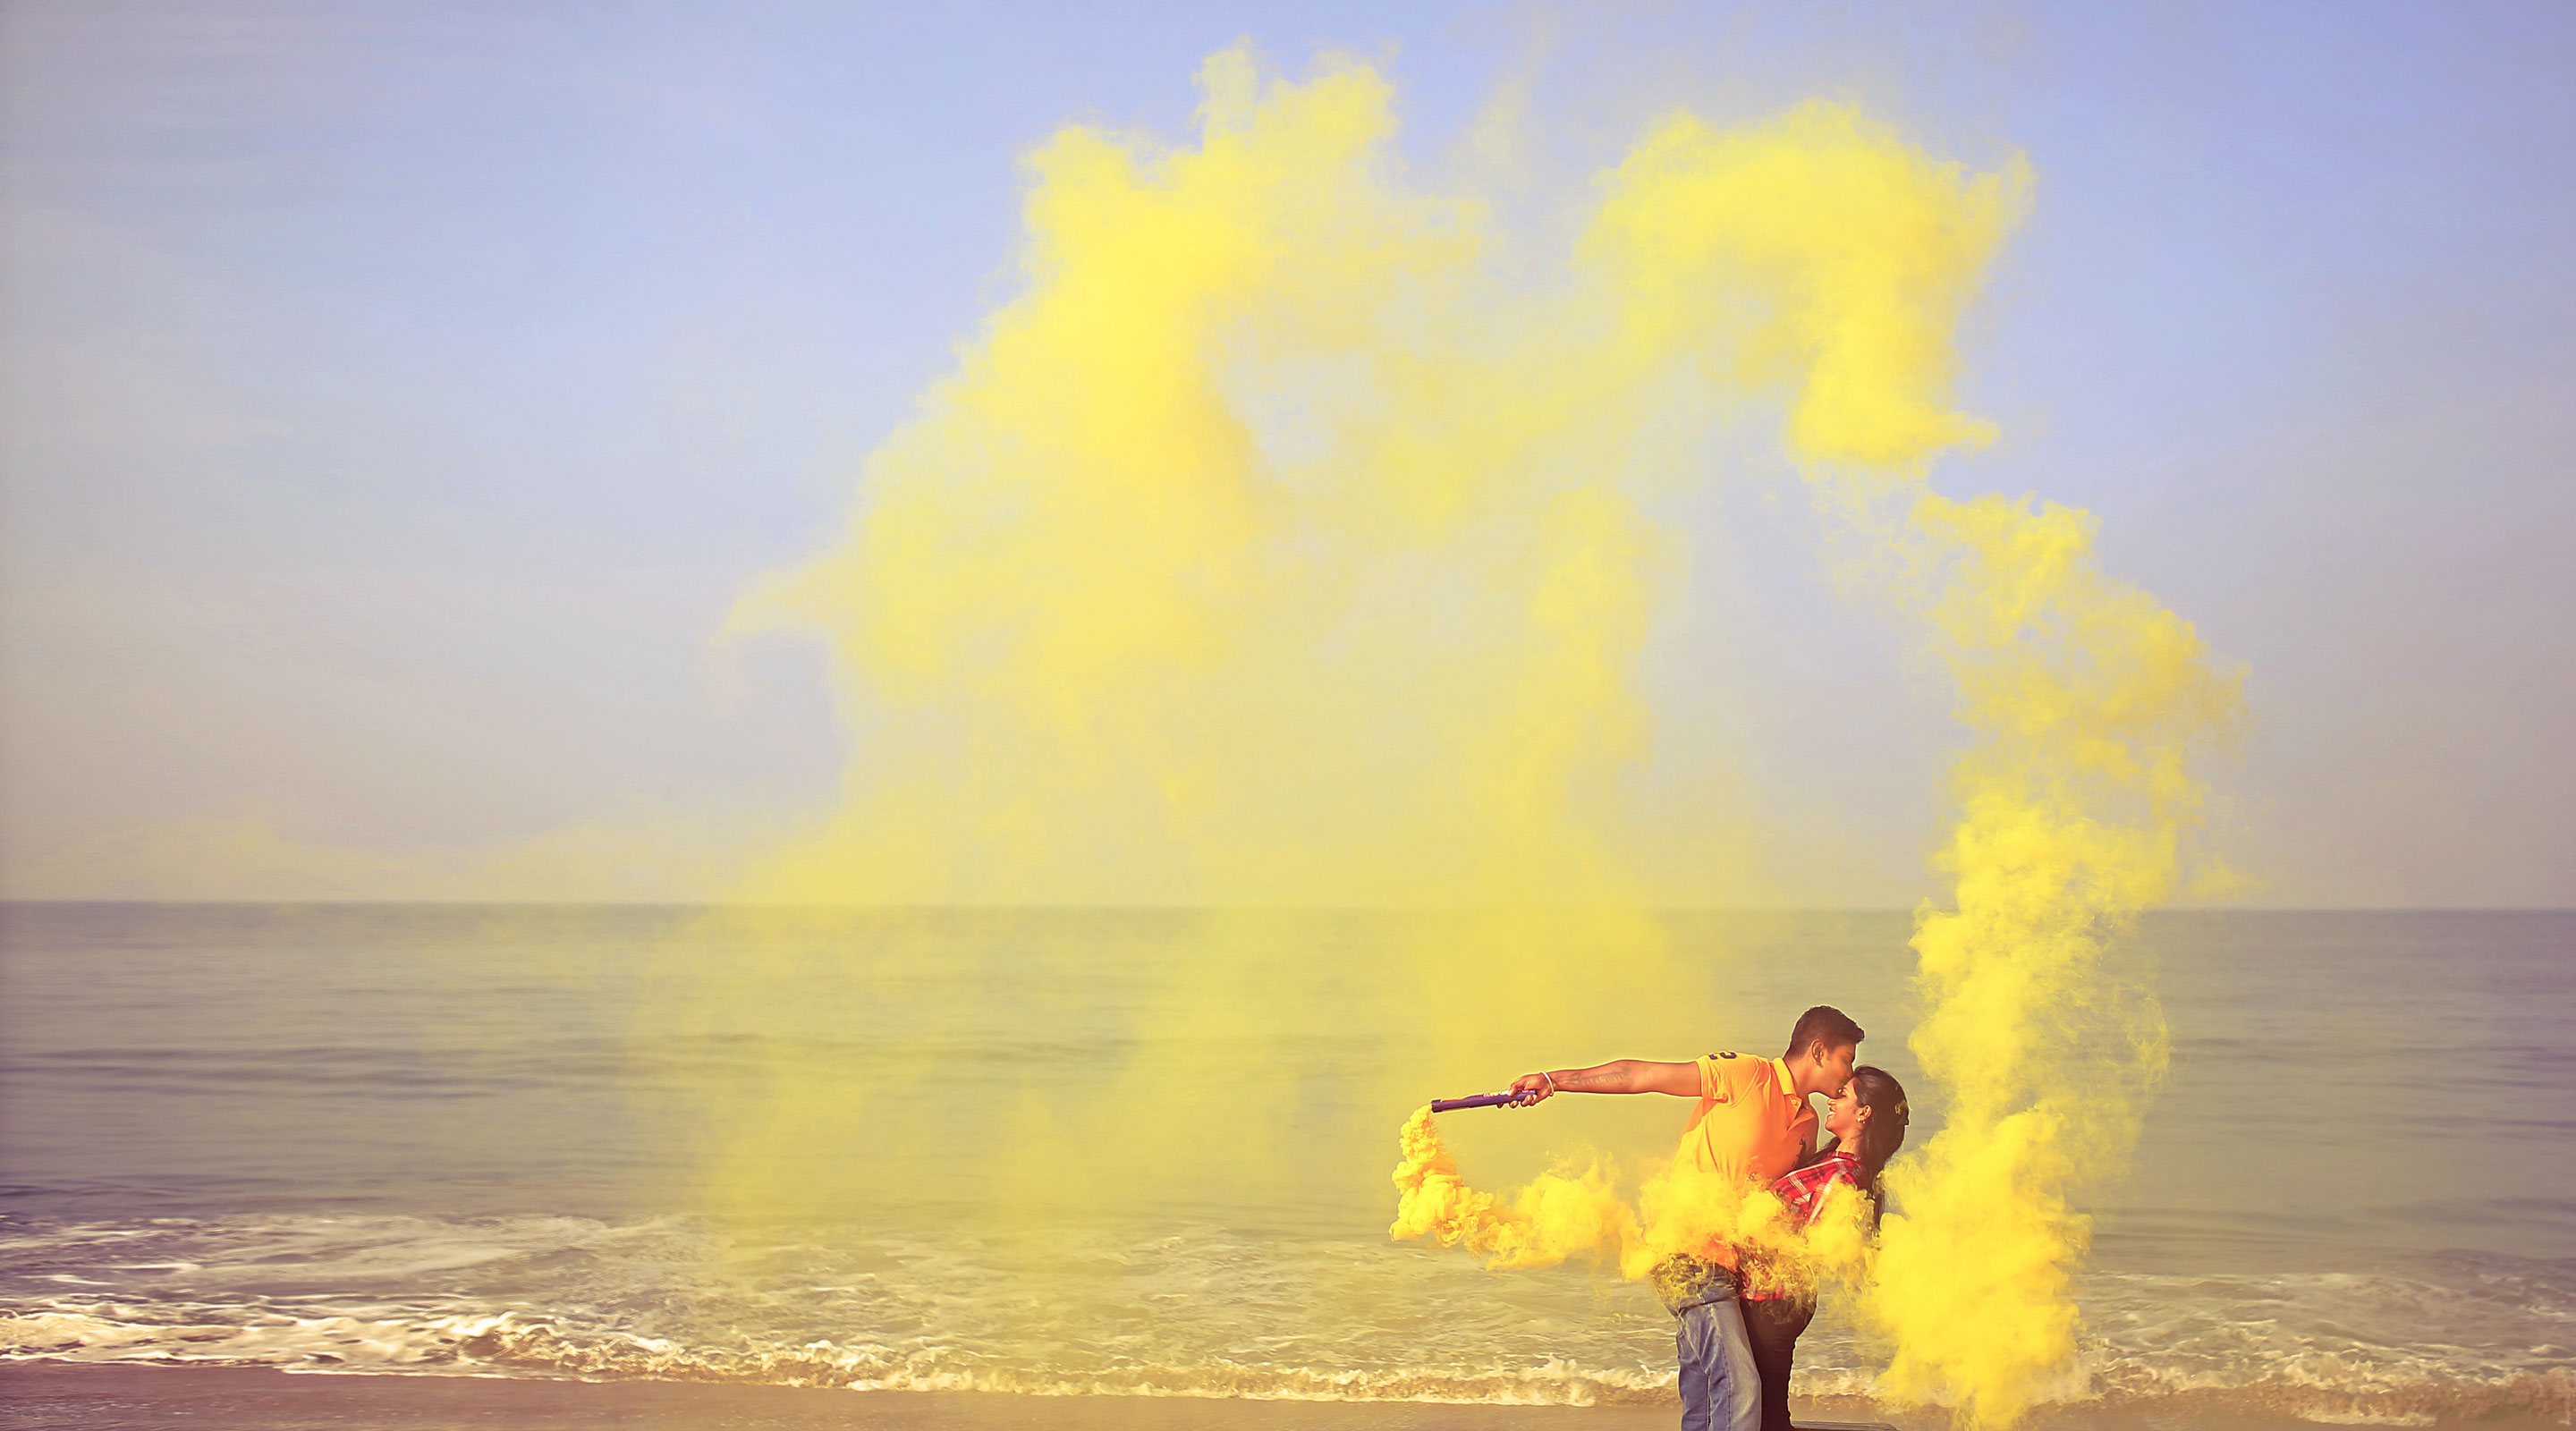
column 1258, row 552
column 1821, row 257
column 1274, row 546
column 2087, row 698
column 1561, row 1215
column 1577, row 1211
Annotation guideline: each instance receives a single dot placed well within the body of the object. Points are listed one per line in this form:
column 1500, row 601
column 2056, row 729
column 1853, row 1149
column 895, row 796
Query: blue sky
column 396, row 396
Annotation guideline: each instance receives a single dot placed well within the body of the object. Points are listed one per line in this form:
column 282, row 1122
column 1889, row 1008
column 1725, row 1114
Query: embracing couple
column 1754, row 1126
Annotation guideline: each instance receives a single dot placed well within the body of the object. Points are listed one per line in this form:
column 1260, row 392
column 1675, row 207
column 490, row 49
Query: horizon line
column 264, row 902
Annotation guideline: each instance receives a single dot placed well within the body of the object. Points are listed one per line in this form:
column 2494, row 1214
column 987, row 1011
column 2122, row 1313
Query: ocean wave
column 1199, row 1312
column 2328, row 1390
column 540, row 1346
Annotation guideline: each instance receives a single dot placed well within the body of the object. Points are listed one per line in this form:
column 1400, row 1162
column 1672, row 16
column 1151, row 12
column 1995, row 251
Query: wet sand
column 61, row 1396
column 66, row 1396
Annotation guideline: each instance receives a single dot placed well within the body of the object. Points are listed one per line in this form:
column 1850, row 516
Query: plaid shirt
column 1802, row 1190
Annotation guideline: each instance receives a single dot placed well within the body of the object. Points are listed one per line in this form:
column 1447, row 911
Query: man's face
column 1835, row 1064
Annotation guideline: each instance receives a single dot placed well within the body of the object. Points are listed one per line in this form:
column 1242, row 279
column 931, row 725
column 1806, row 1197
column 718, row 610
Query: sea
column 510, row 1141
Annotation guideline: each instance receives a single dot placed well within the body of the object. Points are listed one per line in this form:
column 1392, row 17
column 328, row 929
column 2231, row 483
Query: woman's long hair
column 1878, row 1091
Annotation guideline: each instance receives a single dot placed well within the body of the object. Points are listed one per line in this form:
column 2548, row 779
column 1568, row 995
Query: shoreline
column 90, row 1396
column 134, row 1396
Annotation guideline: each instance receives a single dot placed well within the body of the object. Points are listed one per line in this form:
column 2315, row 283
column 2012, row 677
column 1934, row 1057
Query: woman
column 1867, row 1124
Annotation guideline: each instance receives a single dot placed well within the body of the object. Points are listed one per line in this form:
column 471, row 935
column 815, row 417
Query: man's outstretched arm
column 1621, row 1075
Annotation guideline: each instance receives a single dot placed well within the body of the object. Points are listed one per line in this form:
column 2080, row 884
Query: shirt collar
column 1788, row 1085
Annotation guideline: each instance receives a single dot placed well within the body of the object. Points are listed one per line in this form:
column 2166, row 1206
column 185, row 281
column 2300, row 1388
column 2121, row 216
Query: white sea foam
column 1242, row 1316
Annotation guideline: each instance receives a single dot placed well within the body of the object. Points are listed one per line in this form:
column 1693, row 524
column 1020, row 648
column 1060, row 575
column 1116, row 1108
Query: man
column 1752, row 1125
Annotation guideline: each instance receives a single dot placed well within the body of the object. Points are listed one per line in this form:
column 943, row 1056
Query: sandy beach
column 70, row 1397
column 61, row 1396
column 94, row 1398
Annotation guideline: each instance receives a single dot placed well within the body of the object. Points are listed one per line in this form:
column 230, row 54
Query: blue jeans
column 1721, row 1391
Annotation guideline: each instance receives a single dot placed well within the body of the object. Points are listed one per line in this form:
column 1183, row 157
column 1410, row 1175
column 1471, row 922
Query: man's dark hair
column 1823, row 1022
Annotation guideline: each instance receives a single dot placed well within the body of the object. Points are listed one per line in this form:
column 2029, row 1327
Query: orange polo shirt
column 1751, row 1125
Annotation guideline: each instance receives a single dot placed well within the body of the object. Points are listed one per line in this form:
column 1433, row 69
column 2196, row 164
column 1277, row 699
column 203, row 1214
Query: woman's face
column 1844, row 1115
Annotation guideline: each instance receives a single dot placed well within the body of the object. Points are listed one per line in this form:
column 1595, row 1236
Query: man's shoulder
column 1727, row 1069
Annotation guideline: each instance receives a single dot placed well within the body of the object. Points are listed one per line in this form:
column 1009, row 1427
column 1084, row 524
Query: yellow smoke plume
column 1578, row 1212
column 1258, row 553
column 2088, row 699
column 1276, row 546
column 1822, row 257
column 1564, row 1214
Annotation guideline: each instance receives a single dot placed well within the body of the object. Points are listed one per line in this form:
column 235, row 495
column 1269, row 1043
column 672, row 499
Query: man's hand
column 1532, row 1088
